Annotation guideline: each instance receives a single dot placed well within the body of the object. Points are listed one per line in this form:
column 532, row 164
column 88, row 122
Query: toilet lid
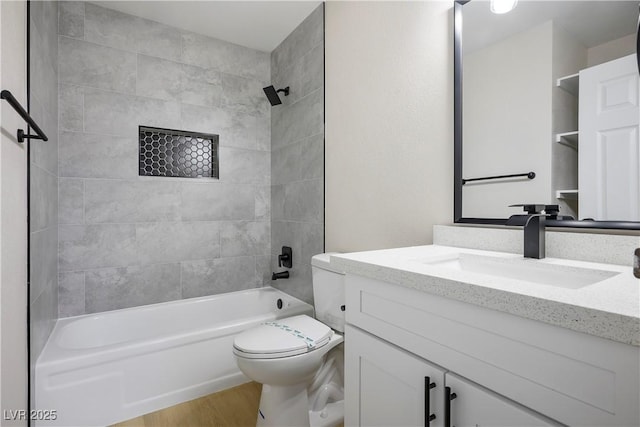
column 282, row 338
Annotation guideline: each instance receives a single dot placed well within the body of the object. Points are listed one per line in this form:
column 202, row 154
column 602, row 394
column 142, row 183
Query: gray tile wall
column 126, row 240
column 43, row 174
column 297, row 153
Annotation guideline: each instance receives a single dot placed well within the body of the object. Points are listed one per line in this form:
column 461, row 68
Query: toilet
column 298, row 359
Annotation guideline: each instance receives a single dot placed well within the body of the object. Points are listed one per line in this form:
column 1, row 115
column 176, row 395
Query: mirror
column 546, row 111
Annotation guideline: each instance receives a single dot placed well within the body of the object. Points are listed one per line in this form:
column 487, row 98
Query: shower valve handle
column 285, row 259
column 282, row 258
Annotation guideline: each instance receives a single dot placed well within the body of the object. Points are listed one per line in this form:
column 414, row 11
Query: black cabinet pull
column 428, row 416
column 448, row 397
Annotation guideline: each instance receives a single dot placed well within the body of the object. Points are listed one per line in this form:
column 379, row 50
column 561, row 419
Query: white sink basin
column 525, row 269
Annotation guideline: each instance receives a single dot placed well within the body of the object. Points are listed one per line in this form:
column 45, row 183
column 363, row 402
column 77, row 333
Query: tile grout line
column 156, row 264
column 235, row 108
column 162, row 58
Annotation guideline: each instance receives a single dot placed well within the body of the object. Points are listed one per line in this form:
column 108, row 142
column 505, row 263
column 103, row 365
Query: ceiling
column 590, row 22
column 260, row 25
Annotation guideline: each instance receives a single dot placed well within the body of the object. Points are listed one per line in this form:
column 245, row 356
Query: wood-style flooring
column 234, row 407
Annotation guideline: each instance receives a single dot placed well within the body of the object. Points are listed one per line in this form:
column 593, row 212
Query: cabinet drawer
column 571, row 377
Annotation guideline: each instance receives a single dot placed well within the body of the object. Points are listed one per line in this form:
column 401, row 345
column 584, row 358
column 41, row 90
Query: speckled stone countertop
column 609, row 308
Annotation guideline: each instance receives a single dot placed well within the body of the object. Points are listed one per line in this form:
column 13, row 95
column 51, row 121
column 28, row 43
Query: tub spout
column 281, row 275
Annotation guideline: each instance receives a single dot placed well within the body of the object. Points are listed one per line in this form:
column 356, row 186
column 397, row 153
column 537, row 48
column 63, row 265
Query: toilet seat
column 287, row 337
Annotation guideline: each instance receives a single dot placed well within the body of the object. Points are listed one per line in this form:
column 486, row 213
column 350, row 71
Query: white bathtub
column 103, row 368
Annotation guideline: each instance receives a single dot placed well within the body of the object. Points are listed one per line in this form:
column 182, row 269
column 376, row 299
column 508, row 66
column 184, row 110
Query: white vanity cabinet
column 392, row 387
column 387, row 386
column 504, row 369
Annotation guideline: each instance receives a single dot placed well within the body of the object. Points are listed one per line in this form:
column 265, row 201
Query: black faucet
column 281, row 275
column 534, row 223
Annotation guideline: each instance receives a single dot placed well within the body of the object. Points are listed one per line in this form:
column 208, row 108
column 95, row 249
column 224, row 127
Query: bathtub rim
column 55, row 355
column 185, row 301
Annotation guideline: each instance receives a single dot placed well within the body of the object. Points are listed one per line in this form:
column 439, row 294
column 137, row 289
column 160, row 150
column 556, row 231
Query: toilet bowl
column 299, row 359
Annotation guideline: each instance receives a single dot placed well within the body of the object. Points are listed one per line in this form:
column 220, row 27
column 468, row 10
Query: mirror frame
column 457, row 142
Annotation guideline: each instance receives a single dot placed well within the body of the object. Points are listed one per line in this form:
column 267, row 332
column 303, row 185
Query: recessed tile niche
column 177, row 153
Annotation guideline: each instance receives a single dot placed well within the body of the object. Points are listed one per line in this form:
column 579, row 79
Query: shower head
column 272, row 94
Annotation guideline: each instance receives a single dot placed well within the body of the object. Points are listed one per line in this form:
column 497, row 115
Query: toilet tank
column 328, row 292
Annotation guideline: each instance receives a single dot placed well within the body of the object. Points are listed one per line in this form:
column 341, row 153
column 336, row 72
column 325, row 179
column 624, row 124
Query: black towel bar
column 6, row 95
column 529, row 175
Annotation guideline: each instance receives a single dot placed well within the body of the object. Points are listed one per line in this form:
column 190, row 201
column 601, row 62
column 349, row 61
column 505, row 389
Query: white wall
column 389, row 123
column 611, row 50
column 507, row 122
column 13, row 215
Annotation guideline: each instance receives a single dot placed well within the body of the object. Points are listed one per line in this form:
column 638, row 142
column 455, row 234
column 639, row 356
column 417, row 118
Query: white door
column 474, row 406
column 609, row 148
column 387, row 386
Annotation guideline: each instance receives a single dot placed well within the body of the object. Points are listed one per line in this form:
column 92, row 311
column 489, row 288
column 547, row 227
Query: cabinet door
column 387, row 386
column 475, row 406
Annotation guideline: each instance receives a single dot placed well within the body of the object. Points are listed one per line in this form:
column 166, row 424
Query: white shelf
column 567, row 194
column 568, row 138
column 569, row 83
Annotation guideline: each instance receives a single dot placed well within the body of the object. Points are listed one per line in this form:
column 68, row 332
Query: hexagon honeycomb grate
column 176, row 153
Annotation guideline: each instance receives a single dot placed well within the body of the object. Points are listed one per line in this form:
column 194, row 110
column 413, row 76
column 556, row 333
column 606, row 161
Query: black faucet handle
column 286, row 258
column 281, row 258
column 530, row 209
column 552, row 210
